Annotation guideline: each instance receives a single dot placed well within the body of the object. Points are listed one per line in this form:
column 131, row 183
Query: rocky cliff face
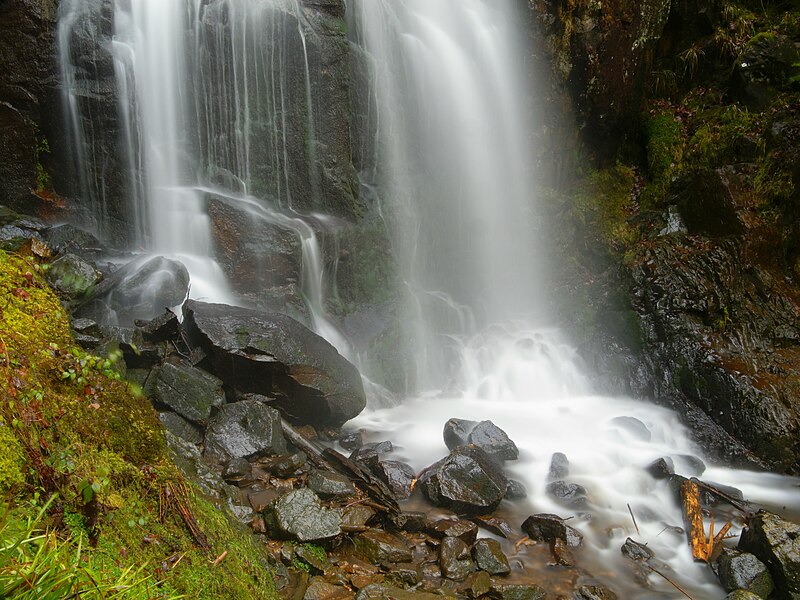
column 684, row 253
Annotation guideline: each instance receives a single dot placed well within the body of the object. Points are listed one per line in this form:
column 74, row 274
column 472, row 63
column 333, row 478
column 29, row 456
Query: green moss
column 718, row 131
column 12, row 460
column 85, row 436
column 664, row 153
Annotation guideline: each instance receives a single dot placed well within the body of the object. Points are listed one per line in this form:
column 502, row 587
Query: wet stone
column 366, row 451
column 595, row 592
column 162, row 328
column 634, row 427
column 467, row 481
column 477, row 584
column 71, row 276
column 562, row 555
column 319, row 589
column 357, row 515
column 546, row 527
column 312, row 556
column 661, row 468
column 351, row 440
column 179, row 426
column 330, row 485
column 245, row 429
column 568, row 494
column 188, row 391
column 397, row 475
column 299, row 515
column 494, row 441
column 466, row 531
column 379, row 547
column 237, row 469
column 285, row 465
column 743, row 595
column 407, row 573
column 636, row 551
column 411, row 521
column 454, row 559
column 378, row 591
column 489, row 557
column 494, row 525
column 693, row 465
column 456, row 432
column 743, row 571
column 518, row 592
column 559, row 467
column 516, row 490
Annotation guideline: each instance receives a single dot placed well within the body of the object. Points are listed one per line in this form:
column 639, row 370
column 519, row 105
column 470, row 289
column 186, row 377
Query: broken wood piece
column 219, row 559
column 734, row 502
column 693, row 520
column 630, row 510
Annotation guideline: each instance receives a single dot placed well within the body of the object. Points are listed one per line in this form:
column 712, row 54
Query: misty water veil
column 450, row 161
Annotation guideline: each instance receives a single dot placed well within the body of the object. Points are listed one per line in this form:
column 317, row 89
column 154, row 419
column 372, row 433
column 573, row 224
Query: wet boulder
column 776, row 543
column 182, row 428
column 764, row 66
column 484, row 434
column 517, row 592
column 489, row 557
column 661, row 468
column 379, row 547
column 454, row 559
column 161, row 328
column 68, row 238
column 466, row 481
column 516, row 490
column 568, row 494
column 300, row 515
column 743, row 571
column 188, row 391
column 243, row 430
column 595, row 592
column 141, row 289
column 559, row 467
column 546, row 527
column 636, row 551
column 257, row 352
column 397, row 475
column 72, row 277
column 464, row 530
column 330, row 485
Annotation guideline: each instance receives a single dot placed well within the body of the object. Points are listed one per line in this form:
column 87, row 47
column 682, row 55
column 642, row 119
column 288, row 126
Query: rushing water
column 453, row 156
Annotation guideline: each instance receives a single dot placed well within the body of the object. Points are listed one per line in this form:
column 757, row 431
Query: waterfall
column 213, row 104
column 454, row 167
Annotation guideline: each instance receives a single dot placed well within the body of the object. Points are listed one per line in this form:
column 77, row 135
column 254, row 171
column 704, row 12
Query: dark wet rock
column 312, row 556
column 351, row 440
column 485, row 435
column 245, row 429
column 300, row 515
column 712, row 498
column 595, row 592
column 517, row 592
column 182, row 428
column 707, row 205
column 516, row 490
column 559, row 467
column 86, row 327
column 357, row 515
column 568, row 494
column 397, row 475
column 379, row 591
column 775, row 542
column 319, row 589
column 72, row 277
column 190, row 392
column 236, row 470
column 477, row 585
column 636, row 551
column 284, row 465
column 562, row 554
column 366, row 452
column 693, row 465
column 379, row 547
column 407, row 573
column 743, row 571
column 462, row 529
column 547, row 527
column 489, row 557
column 661, row 468
column 161, row 328
column 494, row 525
column 743, row 595
column 634, row 427
column 68, row 238
column 257, row 352
column 467, row 481
column 140, row 290
column 456, row 432
column 330, row 485
column 454, row 559
column 763, row 67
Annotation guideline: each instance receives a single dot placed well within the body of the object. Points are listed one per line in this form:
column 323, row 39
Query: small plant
column 690, row 59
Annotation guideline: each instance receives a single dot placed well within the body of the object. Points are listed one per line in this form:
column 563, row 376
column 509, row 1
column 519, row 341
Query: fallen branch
column 693, row 519
column 630, row 510
column 734, row 502
column 672, row 583
column 177, row 497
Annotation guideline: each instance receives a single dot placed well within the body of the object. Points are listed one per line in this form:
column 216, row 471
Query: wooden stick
column 675, row 585
column 693, row 519
column 630, row 510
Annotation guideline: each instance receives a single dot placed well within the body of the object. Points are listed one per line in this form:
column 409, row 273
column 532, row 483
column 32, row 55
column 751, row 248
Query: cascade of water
column 452, row 161
column 214, row 101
